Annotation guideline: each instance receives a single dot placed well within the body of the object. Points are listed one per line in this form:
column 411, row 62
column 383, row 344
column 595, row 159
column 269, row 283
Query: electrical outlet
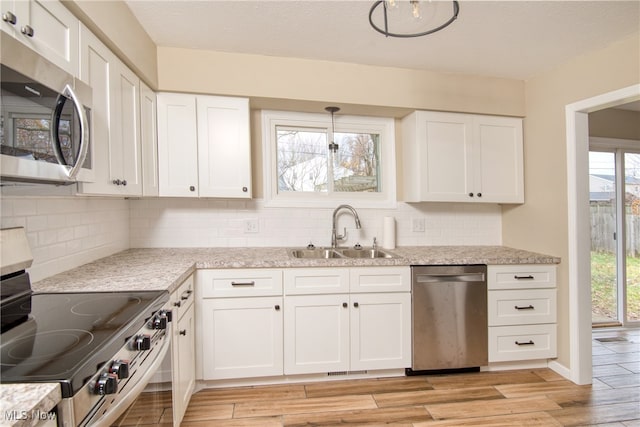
column 251, row 226
column 418, row 225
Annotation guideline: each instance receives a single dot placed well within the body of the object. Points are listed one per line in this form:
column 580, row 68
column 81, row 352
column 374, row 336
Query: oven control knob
column 106, row 384
column 120, row 368
column 159, row 320
column 141, row 342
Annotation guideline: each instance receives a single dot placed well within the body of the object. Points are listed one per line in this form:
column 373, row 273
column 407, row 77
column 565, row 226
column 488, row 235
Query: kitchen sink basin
column 316, row 253
column 328, row 253
column 365, row 253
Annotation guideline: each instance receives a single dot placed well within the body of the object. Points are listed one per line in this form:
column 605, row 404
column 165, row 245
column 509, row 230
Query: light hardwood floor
column 535, row 397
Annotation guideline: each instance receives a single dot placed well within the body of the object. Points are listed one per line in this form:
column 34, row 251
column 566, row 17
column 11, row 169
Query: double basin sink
column 331, row 253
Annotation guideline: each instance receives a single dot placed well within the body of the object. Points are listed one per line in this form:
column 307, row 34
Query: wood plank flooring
column 535, row 397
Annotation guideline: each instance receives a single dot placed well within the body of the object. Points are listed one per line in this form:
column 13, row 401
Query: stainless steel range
column 101, row 347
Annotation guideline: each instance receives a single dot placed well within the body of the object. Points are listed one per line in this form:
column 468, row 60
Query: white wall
column 221, row 223
column 66, row 232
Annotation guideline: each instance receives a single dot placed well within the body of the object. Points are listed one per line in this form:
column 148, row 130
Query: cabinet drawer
column 521, row 276
column 239, row 283
column 182, row 298
column 528, row 342
column 380, row 279
column 522, row 307
column 299, row 281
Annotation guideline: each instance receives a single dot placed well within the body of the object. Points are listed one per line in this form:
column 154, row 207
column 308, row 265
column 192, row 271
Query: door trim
column 579, row 235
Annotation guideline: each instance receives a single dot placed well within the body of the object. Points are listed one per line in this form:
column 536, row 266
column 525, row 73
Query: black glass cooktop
column 66, row 337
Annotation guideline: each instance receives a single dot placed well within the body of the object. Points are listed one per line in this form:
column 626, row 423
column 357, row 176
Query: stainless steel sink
column 328, row 253
column 365, row 253
column 316, row 253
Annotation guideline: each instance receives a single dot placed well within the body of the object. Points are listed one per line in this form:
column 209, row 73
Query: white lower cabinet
column 240, row 323
column 522, row 312
column 183, row 348
column 316, row 334
column 347, row 331
column 241, row 337
column 270, row 322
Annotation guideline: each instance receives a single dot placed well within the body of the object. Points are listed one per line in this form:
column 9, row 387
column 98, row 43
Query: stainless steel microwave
column 45, row 119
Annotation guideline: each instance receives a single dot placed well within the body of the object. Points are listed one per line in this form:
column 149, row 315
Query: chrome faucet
column 335, row 237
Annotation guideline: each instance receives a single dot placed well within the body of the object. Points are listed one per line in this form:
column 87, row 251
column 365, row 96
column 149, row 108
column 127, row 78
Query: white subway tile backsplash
column 202, row 223
column 66, row 232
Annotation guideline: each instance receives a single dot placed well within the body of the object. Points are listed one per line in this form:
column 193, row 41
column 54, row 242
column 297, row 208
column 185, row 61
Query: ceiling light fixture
column 415, row 10
column 333, row 146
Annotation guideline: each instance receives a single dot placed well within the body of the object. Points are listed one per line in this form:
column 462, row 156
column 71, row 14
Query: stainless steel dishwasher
column 449, row 318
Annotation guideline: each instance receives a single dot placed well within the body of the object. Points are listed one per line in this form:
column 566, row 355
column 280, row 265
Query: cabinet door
column 184, row 374
column 380, row 331
column 148, row 141
column 498, row 156
column 55, row 30
column 224, row 147
column 126, row 159
column 316, row 334
column 445, row 157
column 96, row 67
column 177, row 145
column 241, row 337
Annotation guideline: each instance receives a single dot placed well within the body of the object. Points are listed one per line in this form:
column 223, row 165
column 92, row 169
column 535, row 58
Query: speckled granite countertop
column 166, row 269
column 160, row 269
column 25, row 405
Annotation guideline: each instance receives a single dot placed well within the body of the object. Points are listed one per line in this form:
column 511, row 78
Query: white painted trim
column 577, row 133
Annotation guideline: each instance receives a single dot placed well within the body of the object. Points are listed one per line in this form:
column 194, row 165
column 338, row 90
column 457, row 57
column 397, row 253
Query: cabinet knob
column 177, row 304
column 245, row 189
column 345, row 305
column 470, row 194
column 479, row 194
column 116, row 182
column 27, row 30
column 183, row 332
column 124, row 182
column 192, row 188
column 10, row 18
column 356, row 305
column 277, row 307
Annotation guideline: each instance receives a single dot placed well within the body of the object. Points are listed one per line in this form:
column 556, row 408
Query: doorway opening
column 614, row 207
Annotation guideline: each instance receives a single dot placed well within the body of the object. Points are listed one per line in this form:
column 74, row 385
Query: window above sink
column 300, row 170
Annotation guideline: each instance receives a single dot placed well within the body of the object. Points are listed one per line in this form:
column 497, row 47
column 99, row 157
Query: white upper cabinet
column 451, row 157
column 224, row 147
column 177, row 145
column 115, row 121
column 45, row 26
column 148, row 141
column 204, row 149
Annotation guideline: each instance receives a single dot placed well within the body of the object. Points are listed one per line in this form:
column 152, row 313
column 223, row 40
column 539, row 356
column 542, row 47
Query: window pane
column 302, row 159
column 632, row 212
column 604, row 278
column 357, row 168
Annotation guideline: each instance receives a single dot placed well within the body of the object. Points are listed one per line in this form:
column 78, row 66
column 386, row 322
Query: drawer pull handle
column 186, row 294
column 252, row 283
column 183, row 332
column 529, row 307
column 525, row 343
column 529, row 277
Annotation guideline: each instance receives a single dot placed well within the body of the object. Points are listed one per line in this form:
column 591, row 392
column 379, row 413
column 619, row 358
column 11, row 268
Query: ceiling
column 511, row 39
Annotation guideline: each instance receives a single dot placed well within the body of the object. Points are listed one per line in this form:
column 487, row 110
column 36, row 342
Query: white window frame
column 385, row 127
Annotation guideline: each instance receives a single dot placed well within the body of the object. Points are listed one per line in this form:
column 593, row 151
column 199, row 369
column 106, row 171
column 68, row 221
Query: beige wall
column 276, row 81
column 541, row 223
column 114, row 23
column 615, row 123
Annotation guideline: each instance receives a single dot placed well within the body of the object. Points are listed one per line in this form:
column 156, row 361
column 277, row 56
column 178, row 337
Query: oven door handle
column 116, row 410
